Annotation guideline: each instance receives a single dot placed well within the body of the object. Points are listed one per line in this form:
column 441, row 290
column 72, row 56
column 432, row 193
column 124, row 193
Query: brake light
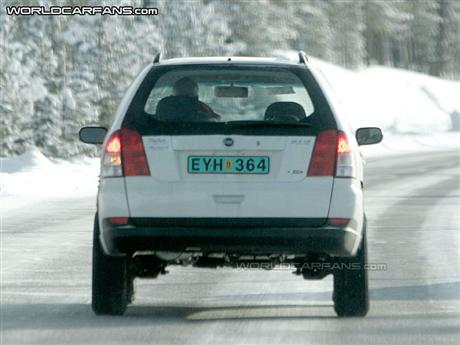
column 322, row 162
column 345, row 165
column 111, row 160
column 332, row 155
column 342, row 145
column 124, row 155
column 114, row 145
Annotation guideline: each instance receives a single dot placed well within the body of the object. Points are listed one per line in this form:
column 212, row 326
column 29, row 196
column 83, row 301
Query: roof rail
column 303, row 57
column 157, row 57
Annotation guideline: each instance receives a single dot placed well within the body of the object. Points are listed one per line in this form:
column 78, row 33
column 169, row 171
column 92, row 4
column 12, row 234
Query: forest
column 58, row 73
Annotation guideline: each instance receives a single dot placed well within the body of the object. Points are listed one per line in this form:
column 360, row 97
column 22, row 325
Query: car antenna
column 157, row 57
column 303, row 57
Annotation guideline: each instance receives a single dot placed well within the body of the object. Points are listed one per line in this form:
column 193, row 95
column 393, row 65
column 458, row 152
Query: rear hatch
column 232, row 140
column 278, row 187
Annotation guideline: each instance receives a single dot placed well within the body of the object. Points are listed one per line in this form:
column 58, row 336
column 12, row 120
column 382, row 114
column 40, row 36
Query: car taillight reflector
column 323, row 159
column 338, row 221
column 118, row 220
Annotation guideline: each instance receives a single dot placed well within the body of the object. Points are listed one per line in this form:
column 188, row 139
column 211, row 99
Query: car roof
column 240, row 60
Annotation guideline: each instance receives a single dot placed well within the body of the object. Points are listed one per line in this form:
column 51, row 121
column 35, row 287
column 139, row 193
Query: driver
column 189, row 88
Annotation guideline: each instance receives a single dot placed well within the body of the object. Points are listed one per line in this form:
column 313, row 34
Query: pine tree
column 422, row 29
column 79, row 89
column 46, row 123
column 314, row 33
column 256, row 27
column 346, row 21
column 447, row 59
column 194, row 28
column 385, row 25
column 20, row 86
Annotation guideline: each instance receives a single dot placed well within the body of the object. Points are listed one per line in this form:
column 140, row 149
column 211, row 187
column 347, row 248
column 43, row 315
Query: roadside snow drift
column 33, row 176
column 398, row 101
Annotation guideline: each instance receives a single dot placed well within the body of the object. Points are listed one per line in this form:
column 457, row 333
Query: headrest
column 280, row 109
column 176, row 108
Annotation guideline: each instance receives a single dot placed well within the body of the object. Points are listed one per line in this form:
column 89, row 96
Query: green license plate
column 228, row 165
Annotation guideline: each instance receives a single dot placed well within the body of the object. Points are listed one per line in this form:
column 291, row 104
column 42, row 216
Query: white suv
column 225, row 162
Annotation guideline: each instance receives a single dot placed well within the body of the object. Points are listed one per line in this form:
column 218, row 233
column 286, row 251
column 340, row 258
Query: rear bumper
column 296, row 236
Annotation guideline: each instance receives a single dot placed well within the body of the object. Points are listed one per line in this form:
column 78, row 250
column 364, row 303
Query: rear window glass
column 223, row 95
column 207, row 99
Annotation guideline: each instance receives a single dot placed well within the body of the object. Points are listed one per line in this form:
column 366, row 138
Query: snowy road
column 413, row 207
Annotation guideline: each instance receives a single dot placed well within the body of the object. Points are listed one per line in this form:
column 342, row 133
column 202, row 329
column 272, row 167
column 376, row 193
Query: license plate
column 228, row 165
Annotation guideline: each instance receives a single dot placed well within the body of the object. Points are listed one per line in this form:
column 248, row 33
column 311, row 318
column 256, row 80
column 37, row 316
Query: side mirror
column 369, row 135
column 92, row 135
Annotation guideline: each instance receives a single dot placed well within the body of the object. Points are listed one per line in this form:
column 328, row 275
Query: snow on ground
column 398, row 101
column 32, row 177
column 401, row 144
column 412, row 109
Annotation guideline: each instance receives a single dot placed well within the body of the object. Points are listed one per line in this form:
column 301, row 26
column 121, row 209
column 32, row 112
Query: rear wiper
column 265, row 124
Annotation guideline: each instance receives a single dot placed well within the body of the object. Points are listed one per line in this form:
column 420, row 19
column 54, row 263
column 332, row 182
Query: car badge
column 228, row 142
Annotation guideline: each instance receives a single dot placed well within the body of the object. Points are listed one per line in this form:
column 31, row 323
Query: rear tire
column 110, row 280
column 351, row 290
column 130, row 289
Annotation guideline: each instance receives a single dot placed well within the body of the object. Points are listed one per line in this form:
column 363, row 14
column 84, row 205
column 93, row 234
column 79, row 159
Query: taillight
column 342, row 144
column 322, row 162
column 332, row 155
column 134, row 160
column 124, row 155
column 111, row 160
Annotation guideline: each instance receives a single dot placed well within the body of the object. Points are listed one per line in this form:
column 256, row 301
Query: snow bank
column 32, row 176
column 396, row 100
column 29, row 161
column 412, row 109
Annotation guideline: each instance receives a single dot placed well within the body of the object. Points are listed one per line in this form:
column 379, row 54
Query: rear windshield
column 227, row 99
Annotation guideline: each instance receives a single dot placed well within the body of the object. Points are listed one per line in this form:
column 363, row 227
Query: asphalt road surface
column 413, row 208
